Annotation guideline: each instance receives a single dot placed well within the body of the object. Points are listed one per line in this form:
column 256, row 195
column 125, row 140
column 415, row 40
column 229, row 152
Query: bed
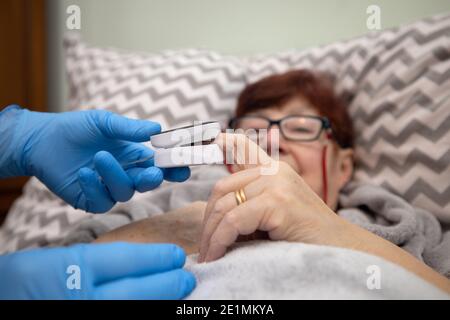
column 396, row 83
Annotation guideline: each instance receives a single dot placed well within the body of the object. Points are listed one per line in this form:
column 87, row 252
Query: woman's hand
column 280, row 203
column 284, row 206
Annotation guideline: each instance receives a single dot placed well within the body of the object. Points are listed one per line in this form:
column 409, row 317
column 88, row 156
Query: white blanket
column 282, row 270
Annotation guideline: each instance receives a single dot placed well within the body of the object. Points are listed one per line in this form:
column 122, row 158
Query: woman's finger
column 246, row 155
column 221, row 207
column 240, row 150
column 244, row 219
column 224, row 204
column 230, row 184
column 223, row 187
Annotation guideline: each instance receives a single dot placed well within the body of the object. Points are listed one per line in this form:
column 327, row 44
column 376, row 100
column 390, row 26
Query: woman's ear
column 345, row 170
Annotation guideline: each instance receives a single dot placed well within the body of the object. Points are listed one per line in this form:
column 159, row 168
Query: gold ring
column 240, row 196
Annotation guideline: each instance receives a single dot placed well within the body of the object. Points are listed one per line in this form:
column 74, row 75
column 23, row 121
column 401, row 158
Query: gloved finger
column 174, row 284
column 115, row 126
column 176, row 174
column 146, row 179
column 96, row 196
column 146, row 157
column 135, row 155
column 112, row 261
column 119, row 184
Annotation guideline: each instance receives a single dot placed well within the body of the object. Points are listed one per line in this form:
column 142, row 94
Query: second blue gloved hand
column 96, row 271
column 80, row 156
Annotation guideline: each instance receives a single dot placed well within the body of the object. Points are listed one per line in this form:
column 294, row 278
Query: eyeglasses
column 297, row 128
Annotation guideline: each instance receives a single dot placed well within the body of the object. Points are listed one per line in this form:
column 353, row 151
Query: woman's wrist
column 329, row 229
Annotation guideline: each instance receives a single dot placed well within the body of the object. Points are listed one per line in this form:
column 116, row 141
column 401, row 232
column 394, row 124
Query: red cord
column 324, row 170
column 324, row 174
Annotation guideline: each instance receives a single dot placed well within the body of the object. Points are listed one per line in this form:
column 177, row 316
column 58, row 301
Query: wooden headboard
column 23, row 65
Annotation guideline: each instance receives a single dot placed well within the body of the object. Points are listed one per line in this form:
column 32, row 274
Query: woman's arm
column 287, row 209
column 354, row 237
column 284, row 206
column 181, row 226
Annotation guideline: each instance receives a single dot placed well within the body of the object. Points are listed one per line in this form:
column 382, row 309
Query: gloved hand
column 80, row 156
column 96, row 271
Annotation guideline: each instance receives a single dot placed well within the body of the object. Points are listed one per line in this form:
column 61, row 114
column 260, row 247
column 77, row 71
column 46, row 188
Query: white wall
column 228, row 26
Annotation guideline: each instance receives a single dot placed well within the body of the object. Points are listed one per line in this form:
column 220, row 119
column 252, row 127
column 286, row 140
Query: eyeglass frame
column 325, row 125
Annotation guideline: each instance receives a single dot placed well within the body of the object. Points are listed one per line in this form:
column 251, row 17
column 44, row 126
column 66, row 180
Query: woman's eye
column 302, row 130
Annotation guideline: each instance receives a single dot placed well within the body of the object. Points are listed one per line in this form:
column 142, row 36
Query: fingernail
column 205, row 258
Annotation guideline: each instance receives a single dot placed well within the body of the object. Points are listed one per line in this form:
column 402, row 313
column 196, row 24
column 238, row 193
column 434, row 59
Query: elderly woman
column 296, row 202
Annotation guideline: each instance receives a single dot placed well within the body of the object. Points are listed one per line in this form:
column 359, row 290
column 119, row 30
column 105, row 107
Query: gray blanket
column 370, row 207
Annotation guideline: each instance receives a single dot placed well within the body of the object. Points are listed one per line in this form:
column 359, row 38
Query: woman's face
column 306, row 157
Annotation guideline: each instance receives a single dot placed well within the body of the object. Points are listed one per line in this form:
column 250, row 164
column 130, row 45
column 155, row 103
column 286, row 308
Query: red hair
column 317, row 89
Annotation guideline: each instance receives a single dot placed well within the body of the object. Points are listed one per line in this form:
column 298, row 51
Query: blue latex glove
column 96, row 271
column 80, row 156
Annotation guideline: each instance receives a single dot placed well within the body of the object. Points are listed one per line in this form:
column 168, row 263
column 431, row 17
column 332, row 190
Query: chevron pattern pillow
column 402, row 114
column 397, row 83
column 173, row 87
